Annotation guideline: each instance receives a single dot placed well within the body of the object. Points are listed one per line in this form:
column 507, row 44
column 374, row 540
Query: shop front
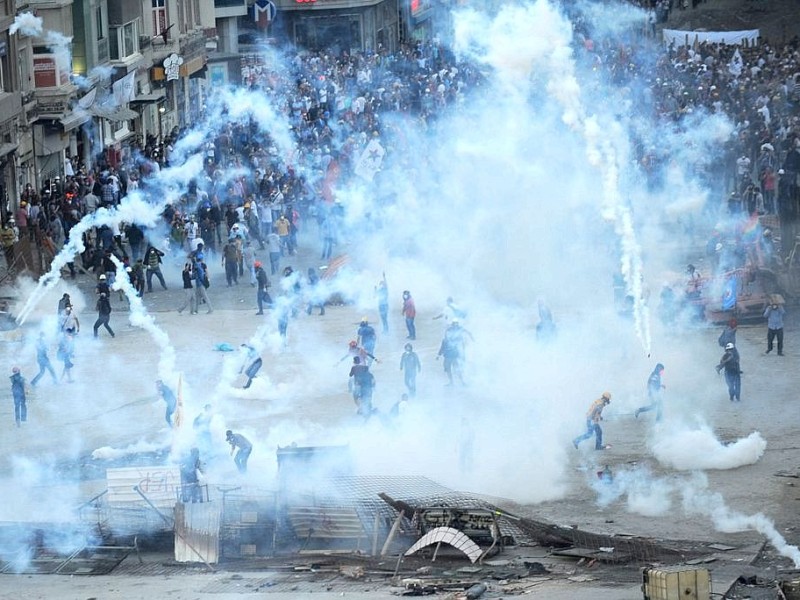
column 340, row 26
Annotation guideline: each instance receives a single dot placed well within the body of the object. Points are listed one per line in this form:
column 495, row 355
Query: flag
column 125, row 89
column 729, row 293
column 370, row 161
column 88, row 99
column 737, row 64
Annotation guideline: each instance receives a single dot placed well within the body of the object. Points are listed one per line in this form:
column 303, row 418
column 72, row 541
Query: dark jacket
column 730, row 362
column 103, row 305
column 17, row 386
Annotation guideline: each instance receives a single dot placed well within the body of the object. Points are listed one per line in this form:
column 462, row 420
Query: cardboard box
column 676, row 583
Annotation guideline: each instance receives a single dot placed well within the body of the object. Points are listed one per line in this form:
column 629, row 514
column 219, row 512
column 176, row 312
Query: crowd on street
column 238, row 222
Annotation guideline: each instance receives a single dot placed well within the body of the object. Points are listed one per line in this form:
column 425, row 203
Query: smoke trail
column 134, row 208
column 139, row 317
column 548, row 50
column 698, row 500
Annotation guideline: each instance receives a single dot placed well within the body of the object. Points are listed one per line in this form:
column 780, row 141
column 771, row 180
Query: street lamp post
column 161, row 111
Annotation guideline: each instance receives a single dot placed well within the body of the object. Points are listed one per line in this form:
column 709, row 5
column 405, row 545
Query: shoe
column 780, row 353
column 768, row 351
column 606, row 447
column 574, row 443
column 261, row 312
column 636, row 414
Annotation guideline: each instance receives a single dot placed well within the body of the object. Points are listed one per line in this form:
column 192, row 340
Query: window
column 124, row 40
column 159, row 16
column 5, row 65
column 99, row 23
column 181, row 17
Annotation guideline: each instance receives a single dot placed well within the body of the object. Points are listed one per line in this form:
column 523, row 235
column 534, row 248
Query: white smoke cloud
column 688, row 449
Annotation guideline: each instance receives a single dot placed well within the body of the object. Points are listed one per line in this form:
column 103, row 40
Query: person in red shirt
column 410, row 313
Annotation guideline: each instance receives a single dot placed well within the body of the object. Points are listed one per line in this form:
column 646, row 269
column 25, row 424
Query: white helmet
column 729, row 346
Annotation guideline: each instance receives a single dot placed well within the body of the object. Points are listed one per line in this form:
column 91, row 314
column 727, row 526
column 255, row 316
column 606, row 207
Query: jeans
column 771, row 335
column 103, row 320
column 20, row 409
column 274, row 262
column 734, row 381
column 592, row 428
column 44, row 365
column 252, row 370
column 261, row 297
column 231, row 273
column 241, row 459
column 383, row 311
column 412, row 330
column 157, row 273
column 410, row 379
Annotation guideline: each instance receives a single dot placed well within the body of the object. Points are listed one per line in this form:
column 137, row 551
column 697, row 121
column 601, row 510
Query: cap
column 364, row 320
column 102, row 277
column 257, row 264
column 729, row 346
column 606, row 396
column 129, row 269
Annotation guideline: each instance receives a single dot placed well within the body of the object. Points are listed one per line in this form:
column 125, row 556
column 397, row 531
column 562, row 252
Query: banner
column 729, row 293
column 748, row 37
column 125, row 88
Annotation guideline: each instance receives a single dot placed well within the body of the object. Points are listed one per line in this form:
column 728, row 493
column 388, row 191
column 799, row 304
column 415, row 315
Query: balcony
column 229, row 8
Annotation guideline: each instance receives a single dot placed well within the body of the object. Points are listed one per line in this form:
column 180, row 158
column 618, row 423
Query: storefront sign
column 172, row 67
column 55, row 107
column 44, row 71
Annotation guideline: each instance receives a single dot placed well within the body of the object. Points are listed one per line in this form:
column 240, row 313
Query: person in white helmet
column 733, row 373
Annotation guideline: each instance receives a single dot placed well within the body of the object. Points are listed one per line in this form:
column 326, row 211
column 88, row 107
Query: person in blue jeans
column 242, row 446
column 733, row 372
column 593, row 418
column 654, row 393
column 43, row 360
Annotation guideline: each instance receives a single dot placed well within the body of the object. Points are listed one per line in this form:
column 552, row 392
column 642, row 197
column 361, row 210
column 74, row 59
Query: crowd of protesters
column 338, row 104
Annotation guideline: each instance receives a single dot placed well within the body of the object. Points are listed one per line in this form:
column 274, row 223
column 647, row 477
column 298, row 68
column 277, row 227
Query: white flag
column 737, row 64
column 370, row 160
column 125, row 89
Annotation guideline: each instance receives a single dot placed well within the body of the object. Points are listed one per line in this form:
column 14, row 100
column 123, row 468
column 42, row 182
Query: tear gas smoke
column 690, row 449
column 139, row 317
column 549, row 52
column 697, row 499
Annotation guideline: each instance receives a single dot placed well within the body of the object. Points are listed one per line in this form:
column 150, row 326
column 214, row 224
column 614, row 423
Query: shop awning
column 113, row 113
column 149, row 98
column 7, row 148
column 75, row 119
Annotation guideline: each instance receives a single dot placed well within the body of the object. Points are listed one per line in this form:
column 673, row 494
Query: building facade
column 340, row 25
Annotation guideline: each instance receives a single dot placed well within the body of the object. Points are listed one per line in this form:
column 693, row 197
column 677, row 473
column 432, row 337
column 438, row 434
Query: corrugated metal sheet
column 158, row 483
column 197, row 527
